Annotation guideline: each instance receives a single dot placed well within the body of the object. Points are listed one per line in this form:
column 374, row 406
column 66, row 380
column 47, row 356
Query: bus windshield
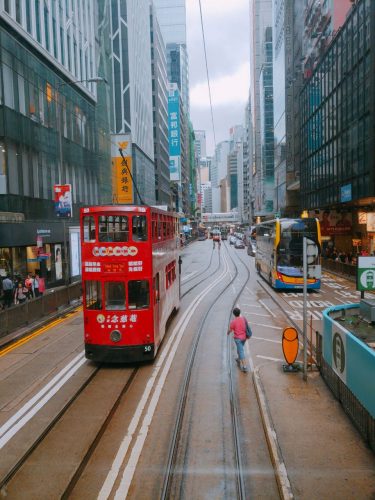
column 290, row 249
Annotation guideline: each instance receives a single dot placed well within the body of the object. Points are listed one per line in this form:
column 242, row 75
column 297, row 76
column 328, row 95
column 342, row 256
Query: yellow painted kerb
column 26, row 339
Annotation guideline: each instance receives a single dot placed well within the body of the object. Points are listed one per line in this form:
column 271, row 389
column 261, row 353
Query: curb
column 281, row 474
column 9, row 338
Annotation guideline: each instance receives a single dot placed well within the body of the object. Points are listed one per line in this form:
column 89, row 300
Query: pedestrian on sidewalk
column 20, row 294
column 8, row 291
column 238, row 327
column 36, row 285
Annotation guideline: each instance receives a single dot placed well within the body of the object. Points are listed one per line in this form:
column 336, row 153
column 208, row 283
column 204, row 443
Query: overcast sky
column 226, row 25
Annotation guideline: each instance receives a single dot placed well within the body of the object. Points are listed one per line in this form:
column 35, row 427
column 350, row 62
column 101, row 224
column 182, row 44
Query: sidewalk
column 324, row 455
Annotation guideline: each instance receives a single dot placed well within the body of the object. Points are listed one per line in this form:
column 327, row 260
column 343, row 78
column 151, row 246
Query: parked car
column 239, row 244
column 232, row 239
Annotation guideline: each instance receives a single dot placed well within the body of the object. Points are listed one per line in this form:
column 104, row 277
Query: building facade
column 261, row 179
column 50, row 102
column 132, row 105
column 338, row 133
column 160, row 112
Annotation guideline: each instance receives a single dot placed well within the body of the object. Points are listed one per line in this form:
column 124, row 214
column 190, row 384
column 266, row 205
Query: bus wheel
column 270, row 279
column 258, row 269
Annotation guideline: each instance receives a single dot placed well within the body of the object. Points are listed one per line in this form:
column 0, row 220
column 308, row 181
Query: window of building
column 114, row 295
column 37, row 21
column 18, row 11
column 139, row 228
column 93, row 294
column 138, row 294
column 28, row 16
column 8, row 81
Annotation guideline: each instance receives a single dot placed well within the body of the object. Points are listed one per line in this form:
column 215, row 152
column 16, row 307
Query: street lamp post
column 59, row 115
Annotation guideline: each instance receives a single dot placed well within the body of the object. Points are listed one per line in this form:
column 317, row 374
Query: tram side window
column 138, row 294
column 114, row 295
column 89, row 233
column 113, row 228
column 93, row 294
column 139, row 228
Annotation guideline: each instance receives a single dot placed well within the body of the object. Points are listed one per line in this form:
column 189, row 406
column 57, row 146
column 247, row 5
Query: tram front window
column 139, row 294
column 93, row 294
column 113, row 228
column 115, row 296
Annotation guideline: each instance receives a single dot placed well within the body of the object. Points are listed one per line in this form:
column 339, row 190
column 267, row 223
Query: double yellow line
column 38, row 332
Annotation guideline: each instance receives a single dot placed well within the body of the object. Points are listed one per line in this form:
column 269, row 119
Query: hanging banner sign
column 63, row 200
column 122, row 185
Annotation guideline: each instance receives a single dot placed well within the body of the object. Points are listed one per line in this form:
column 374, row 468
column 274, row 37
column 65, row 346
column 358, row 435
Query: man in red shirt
column 238, row 327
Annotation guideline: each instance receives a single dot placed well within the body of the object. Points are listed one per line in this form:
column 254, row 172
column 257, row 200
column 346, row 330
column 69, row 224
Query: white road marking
column 168, row 355
column 250, row 291
column 251, row 305
column 24, row 414
column 267, row 340
column 269, row 358
column 267, row 326
column 258, row 314
column 188, row 276
column 268, row 309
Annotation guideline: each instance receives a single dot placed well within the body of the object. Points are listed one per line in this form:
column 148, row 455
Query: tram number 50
column 148, row 348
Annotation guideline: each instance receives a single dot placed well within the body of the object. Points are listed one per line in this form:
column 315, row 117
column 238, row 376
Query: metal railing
column 35, row 309
column 341, row 268
column 361, row 418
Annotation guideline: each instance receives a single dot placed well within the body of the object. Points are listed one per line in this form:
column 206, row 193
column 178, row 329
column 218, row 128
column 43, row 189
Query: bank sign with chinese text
column 174, row 133
column 366, row 274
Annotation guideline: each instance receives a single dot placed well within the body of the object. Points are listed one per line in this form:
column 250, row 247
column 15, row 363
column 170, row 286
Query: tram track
column 188, row 280
column 172, row 465
column 49, row 440
column 203, row 278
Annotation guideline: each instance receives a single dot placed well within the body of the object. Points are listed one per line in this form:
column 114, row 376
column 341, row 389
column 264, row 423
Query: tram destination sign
column 366, row 274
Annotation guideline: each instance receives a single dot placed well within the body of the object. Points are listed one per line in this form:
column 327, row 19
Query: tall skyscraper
column 261, row 93
column 132, row 125
column 172, row 19
column 200, row 143
column 160, row 112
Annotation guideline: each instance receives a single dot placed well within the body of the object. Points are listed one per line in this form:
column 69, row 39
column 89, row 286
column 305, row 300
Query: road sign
column 366, row 274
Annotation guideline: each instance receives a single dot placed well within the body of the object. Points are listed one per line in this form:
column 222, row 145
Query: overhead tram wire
column 208, row 76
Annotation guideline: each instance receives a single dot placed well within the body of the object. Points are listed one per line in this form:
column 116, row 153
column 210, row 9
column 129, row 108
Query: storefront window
column 19, row 261
column 5, row 262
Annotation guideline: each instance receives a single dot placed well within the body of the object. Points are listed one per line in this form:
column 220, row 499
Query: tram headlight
column 115, row 336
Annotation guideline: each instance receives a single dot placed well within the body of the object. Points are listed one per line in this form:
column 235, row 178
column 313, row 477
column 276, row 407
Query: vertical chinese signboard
column 63, row 200
column 174, row 133
column 122, row 185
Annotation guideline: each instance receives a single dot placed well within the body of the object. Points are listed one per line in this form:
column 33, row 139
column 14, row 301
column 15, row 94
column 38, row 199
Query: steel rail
column 203, row 279
column 174, row 443
column 56, row 419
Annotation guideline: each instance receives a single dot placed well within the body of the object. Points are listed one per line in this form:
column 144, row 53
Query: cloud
column 227, row 89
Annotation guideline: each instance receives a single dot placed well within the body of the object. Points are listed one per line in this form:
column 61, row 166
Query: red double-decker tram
column 131, row 280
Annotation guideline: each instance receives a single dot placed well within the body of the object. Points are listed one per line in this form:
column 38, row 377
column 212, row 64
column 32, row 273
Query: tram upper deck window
column 139, row 228
column 89, row 232
column 138, row 294
column 113, row 228
column 93, row 294
column 114, row 295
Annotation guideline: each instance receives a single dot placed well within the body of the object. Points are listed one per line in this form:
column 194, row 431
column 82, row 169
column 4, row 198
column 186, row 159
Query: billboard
column 174, row 133
column 122, row 185
column 62, row 195
column 334, row 223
